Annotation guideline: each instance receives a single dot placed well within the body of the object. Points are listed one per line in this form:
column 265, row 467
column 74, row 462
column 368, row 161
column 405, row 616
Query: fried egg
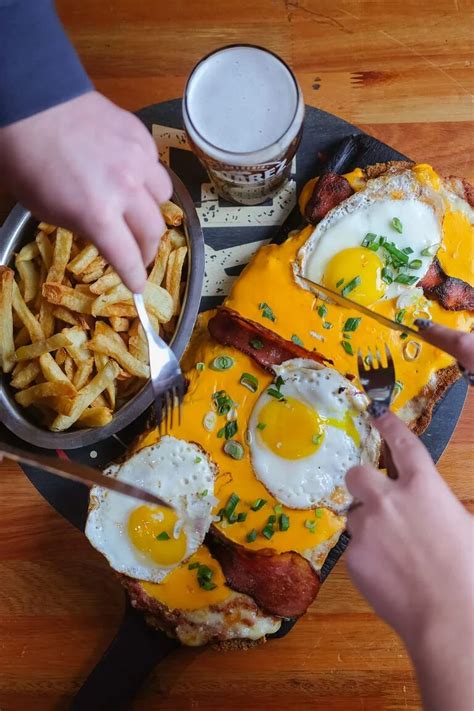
column 378, row 242
column 145, row 541
column 306, row 431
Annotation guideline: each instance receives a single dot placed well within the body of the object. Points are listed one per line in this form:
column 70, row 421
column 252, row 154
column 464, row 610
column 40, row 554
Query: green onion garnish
column 316, row 439
column 232, row 502
column 399, row 316
column 205, row 573
column 368, row 239
column 193, row 566
column 279, row 382
column 249, row 381
column 261, row 426
column 406, row 279
column 258, row 504
column 275, row 393
column 352, row 324
column 396, row 253
column 296, row 339
column 266, row 311
column 200, row 366
column 207, row 584
column 347, row 347
column 310, row 525
column 163, row 536
column 397, row 225
column 209, row 421
column 222, row 362
column 278, row 508
column 222, row 402
column 252, row 535
column 241, row 516
column 415, row 264
column 339, row 283
column 272, row 518
column 351, row 286
column 403, row 336
column 397, row 389
column 322, row 310
column 387, row 275
column 234, row 449
column 268, row 531
column 319, row 513
column 284, row 522
column 327, row 325
column 197, row 460
column 256, row 343
column 204, row 493
column 407, row 250
column 373, row 246
column 430, row 251
column 229, row 430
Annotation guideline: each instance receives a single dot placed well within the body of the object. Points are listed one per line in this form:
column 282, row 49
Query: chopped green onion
column 415, row 264
column 223, row 362
column 310, row 525
column 261, row 426
column 278, row 508
column 406, row 279
column 268, row 531
column 232, row 518
column 347, row 347
column 205, row 573
column 241, row 516
column 403, row 336
column 284, row 522
column 193, row 566
column 387, row 275
column 296, row 339
column 368, row 239
column 209, row 421
column 197, row 460
column 373, row 246
column 400, row 315
column 163, row 536
column 397, row 225
column 397, row 389
column 204, row 493
column 407, row 250
column 249, row 381
column 252, row 535
column 316, row 439
column 279, row 382
column 430, row 251
column 351, row 286
column 352, row 324
column 200, row 366
column 382, row 240
column 207, row 584
column 275, row 393
column 339, row 283
column 327, row 325
column 256, row 343
column 234, row 449
column 229, row 430
column 272, row 518
column 222, row 402
column 258, row 504
column 266, row 311
column 322, row 310
column 319, row 513
column 232, row 502
column 395, row 252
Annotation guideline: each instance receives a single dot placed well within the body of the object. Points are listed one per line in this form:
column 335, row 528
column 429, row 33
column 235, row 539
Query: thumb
column 457, row 343
column 366, row 483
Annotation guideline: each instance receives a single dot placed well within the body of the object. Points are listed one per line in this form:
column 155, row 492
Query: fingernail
column 423, row 323
column 376, row 409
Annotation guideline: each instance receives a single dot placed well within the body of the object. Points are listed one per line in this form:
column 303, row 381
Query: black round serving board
column 232, row 233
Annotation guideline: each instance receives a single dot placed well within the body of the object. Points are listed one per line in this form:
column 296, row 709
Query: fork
column 378, row 382
column 167, row 379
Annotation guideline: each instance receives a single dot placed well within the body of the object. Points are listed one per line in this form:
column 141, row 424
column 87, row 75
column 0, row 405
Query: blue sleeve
column 39, row 68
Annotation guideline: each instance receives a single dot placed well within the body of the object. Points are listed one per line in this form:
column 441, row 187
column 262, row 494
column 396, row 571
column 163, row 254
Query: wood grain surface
column 402, row 71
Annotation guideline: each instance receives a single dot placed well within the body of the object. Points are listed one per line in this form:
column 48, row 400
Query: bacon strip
column 452, row 293
column 329, row 191
column 264, row 346
column 283, row 584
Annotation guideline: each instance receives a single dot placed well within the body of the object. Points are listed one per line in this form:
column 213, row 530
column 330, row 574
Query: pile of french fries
column 69, row 331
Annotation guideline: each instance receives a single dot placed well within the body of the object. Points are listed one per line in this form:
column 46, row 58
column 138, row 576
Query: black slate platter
column 328, row 143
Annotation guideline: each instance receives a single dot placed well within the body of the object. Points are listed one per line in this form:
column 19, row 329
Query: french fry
column 7, row 345
column 45, row 345
column 73, row 299
column 158, row 302
column 27, row 253
column 78, row 347
column 108, row 342
column 60, row 356
column 177, row 238
column 28, row 397
column 47, row 229
column 91, row 277
column 83, row 289
column 45, row 249
column 69, row 368
column 100, row 361
column 86, row 396
column 26, row 316
column 100, row 401
column 137, row 344
column 119, row 324
column 29, row 279
column 83, row 373
column 105, row 283
column 51, row 370
column 119, row 294
column 95, row 417
column 67, row 316
column 26, row 375
column 97, row 263
column 61, row 255
column 173, row 276
column 46, row 318
column 81, row 262
column 172, row 214
column 161, row 260
column 22, row 337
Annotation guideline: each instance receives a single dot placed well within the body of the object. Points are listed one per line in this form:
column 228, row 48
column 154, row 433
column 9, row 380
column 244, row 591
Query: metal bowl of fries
column 73, row 356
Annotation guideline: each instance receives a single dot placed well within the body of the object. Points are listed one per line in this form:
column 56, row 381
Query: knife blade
column 75, row 471
column 349, row 304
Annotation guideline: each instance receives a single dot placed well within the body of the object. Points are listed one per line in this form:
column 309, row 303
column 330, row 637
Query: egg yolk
column 357, row 263
column 151, row 530
column 290, row 428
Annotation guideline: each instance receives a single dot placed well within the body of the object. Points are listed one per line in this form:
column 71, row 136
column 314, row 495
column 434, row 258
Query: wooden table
column 402, row 72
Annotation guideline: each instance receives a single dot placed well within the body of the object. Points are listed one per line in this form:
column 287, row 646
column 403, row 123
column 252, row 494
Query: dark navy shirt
column 39, row 68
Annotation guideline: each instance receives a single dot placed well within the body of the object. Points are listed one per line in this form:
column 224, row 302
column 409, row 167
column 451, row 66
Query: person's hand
column 457, row 343
column 91, row 167
column 411, row 556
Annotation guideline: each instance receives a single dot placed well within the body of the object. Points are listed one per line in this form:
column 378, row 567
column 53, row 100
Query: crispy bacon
column 329, row 191
column 283, row 584
column 452, row 293
column 264, row 346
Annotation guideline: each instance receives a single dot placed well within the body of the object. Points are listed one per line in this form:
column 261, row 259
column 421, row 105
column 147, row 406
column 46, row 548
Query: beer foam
column 242, row 100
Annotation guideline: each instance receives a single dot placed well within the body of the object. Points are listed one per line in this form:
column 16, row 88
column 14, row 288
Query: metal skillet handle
column 130, row 658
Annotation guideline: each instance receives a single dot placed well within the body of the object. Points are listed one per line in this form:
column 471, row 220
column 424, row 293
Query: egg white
column 175, row 470
column 317, row 479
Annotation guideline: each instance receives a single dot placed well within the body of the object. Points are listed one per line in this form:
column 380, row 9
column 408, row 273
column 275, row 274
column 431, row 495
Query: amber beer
column 243, row 114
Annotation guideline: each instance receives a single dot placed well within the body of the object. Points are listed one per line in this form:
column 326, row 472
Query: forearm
column 39, row 66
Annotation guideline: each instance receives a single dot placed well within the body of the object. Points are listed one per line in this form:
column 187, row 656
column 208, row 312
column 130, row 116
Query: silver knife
column 75, row 471
column 349, row 304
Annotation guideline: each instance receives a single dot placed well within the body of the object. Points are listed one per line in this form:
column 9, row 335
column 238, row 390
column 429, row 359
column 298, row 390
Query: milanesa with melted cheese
column 225, row 385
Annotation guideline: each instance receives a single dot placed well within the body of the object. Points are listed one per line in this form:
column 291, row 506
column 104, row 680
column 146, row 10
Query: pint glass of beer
column 243, row 114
